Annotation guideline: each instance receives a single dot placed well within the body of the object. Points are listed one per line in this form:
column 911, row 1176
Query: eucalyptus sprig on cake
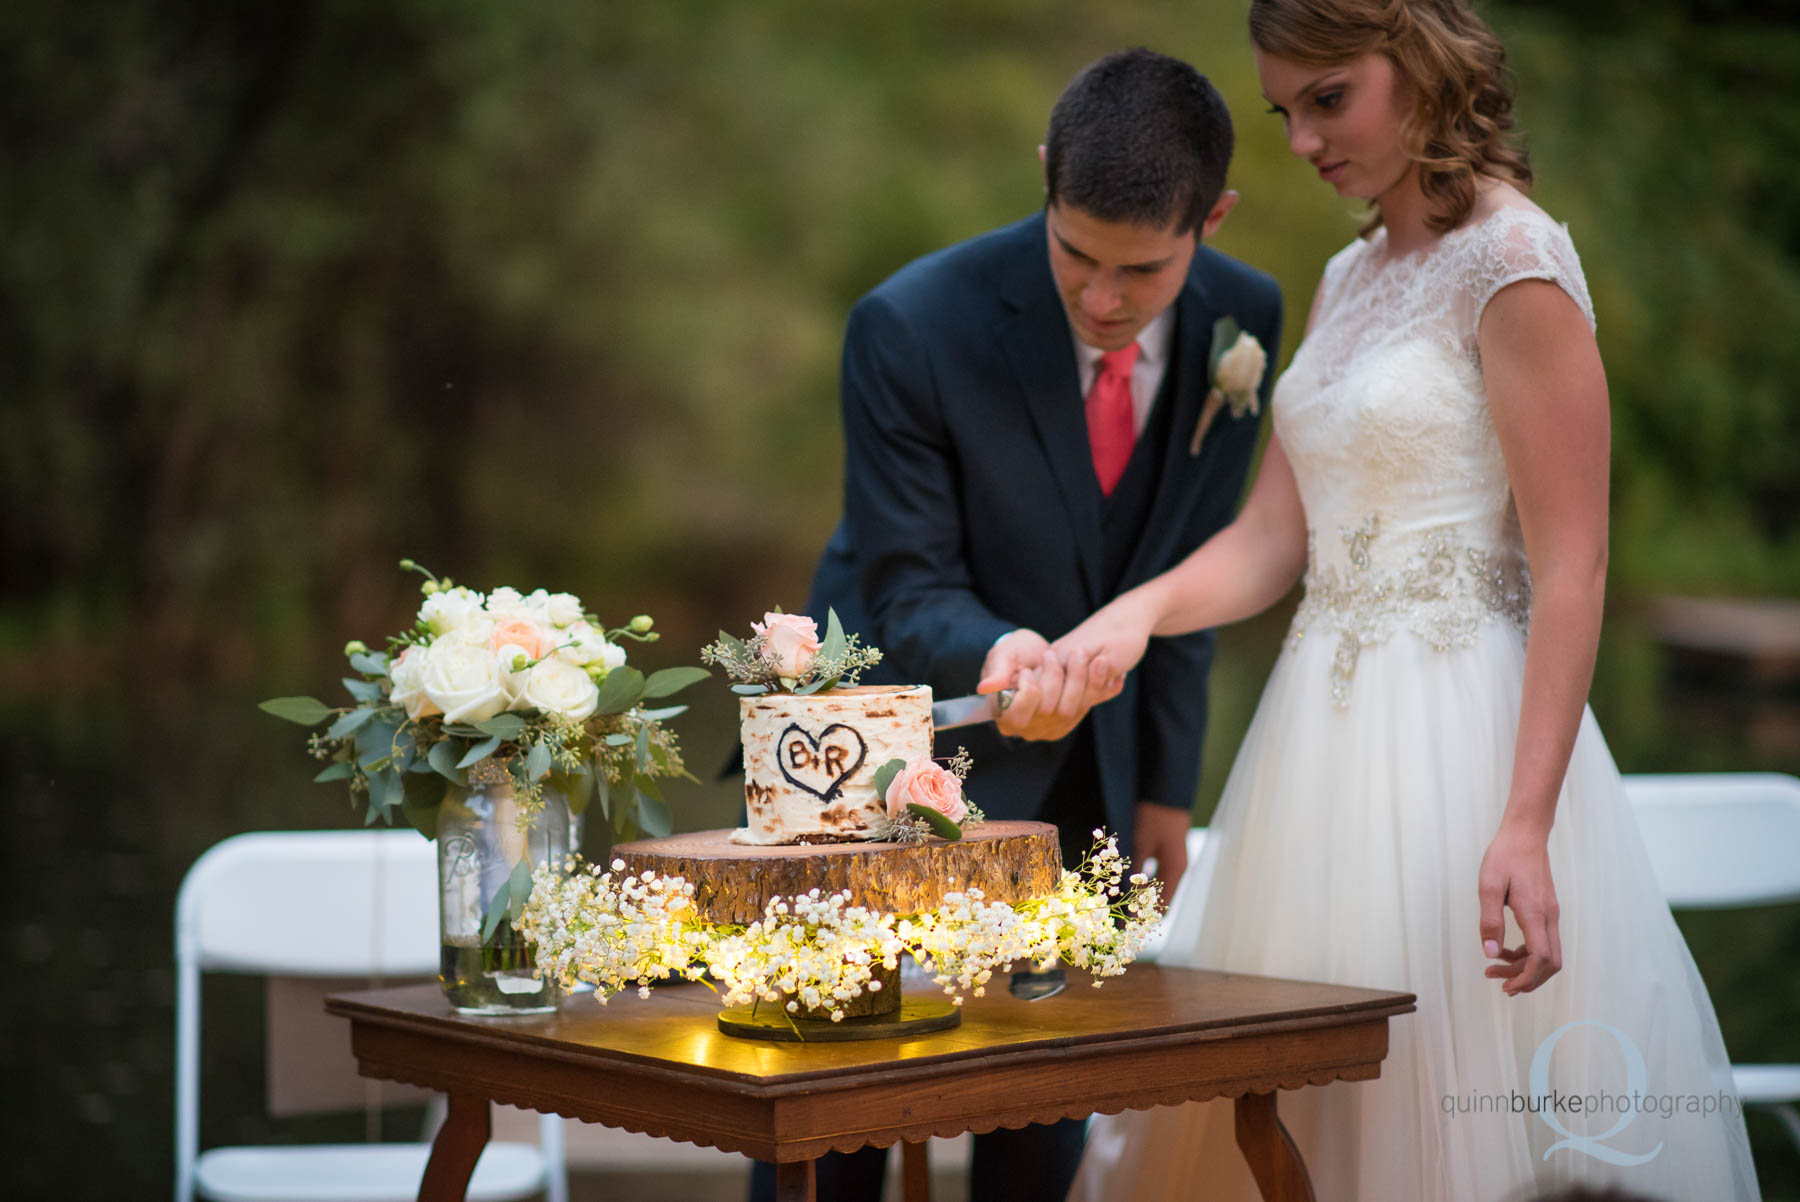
column 924, row 798
column 785, row 655
column 497, row 688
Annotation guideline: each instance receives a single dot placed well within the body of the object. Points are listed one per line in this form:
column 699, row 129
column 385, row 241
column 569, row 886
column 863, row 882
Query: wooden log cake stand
column 734, row 883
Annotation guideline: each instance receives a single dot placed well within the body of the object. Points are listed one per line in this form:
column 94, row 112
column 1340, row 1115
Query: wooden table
column 659, row 1065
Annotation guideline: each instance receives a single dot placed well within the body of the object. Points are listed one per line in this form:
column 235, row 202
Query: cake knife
column 972, row 710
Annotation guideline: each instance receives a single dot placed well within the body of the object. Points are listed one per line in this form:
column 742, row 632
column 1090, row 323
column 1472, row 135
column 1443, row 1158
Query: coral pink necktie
column 1111, row 430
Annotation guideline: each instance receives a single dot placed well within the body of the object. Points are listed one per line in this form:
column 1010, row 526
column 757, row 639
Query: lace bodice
column 1385, row 420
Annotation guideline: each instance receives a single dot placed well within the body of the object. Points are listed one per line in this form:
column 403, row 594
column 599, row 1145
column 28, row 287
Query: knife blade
column 972, row 710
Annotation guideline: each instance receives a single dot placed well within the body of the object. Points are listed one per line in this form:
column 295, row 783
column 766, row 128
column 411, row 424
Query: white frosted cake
column 810, row 762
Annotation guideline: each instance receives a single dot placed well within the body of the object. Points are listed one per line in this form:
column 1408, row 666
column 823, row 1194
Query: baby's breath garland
column 819, row 951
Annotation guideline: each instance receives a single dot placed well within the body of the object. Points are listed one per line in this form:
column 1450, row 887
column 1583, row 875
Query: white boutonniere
column 1235, row 368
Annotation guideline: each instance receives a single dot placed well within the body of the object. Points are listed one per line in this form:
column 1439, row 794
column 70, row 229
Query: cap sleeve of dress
column 1523, row 244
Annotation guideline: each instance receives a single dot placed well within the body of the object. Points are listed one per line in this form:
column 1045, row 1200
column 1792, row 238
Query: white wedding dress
column 1346, row 845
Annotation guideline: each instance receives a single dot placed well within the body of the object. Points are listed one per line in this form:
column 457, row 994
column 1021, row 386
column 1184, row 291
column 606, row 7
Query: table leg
column 915, row 1172
column 1269, row 1149
column 456, row 1149
column 794, row 1181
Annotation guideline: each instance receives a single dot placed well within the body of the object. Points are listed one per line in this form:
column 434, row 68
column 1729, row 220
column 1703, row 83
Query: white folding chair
column 1721, row 841
column 320, row 904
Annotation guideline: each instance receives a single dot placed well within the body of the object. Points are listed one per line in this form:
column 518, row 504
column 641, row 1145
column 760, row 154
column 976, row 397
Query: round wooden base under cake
column 766, row 1022
column 733, row 883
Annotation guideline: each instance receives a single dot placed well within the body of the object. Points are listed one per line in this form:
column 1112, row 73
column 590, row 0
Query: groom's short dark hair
column 1139, row 137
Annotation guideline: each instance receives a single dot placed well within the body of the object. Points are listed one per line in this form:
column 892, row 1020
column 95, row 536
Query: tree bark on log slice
column 733, row 883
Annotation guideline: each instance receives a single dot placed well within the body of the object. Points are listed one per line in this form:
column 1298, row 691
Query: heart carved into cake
column 821, row 764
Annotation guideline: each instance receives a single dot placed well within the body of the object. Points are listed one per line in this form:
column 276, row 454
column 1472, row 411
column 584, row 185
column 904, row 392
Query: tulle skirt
column 1345, row 849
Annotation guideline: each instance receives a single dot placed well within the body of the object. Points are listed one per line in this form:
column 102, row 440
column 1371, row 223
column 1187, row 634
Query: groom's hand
column 1162, row 836
column 1051, row 695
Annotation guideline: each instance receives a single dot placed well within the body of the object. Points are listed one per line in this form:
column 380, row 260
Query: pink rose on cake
column 790, row 642
column 923, row 783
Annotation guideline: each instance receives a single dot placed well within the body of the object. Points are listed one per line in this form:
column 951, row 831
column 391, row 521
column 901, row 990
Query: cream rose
column 924, row 783
column 556, row 686
column 505, row 603
column 582, row 644
column 452, row 609
column 408, row 675
column 791, row 642
column 563, row 609
column 1241, row 366
column 464, row 679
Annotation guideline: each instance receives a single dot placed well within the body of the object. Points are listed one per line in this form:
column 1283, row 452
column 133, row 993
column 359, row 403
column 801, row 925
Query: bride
column 1423, row 800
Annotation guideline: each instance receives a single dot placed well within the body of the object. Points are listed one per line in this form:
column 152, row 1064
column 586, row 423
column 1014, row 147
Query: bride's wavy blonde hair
column 1460, row 122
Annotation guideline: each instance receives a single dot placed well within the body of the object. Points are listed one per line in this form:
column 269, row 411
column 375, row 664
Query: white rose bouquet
column 530, row 687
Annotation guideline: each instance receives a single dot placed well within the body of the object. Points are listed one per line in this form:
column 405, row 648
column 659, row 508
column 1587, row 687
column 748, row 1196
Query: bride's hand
column 1112, row 641
column 1515, row 873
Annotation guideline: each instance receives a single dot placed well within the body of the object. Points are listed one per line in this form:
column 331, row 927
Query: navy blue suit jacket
column 971, row 506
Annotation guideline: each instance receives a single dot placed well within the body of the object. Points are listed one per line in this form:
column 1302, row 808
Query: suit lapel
column 1039, row 347
column 1185, row 389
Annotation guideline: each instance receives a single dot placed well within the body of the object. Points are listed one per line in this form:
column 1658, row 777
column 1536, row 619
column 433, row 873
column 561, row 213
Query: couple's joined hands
column 1056, row 684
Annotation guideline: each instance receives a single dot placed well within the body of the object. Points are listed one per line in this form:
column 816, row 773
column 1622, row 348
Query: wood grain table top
column 1156, row 1036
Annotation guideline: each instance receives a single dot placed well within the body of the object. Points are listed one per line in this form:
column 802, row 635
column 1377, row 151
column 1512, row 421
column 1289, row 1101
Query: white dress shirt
column 1146, row 374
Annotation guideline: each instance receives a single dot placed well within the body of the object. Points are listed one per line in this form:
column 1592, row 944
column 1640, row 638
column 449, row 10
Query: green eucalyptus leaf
column 817, row 686
column 480, row 751
column 496, row 910
column 423, row 795
column 647, row 785
column 348, row 724
column 643, row 748
column 386, row 790
column 537, row 762
column 502, row 726
column 750, row 690
column 363, row 690
column 442, row 757
column 940, row 826
column 305, row 711
column 619, row 739
column 673, row 680
column 622, row 815
column 519, row 885
column 732, row 643
column 463, row 730
column 621, row 690
column 375, row 740
column 342, row 770
column 884, row 775
column 834, row 644
column 653, row 817
column 577, row 787
column 664, row 714
column 603, row 791
column 370, row 663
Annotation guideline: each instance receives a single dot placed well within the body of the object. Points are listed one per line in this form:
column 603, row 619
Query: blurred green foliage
column 551, row 294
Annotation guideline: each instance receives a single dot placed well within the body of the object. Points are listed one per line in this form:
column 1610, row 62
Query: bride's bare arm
column 1547, row 392
column 1240, row 571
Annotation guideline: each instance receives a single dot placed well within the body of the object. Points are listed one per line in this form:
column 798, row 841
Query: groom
column 1028, row 435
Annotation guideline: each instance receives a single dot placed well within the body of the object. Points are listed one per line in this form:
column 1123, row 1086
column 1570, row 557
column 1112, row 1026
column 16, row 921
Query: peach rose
column 924, row 783
column 792, row 642
column 523, row 634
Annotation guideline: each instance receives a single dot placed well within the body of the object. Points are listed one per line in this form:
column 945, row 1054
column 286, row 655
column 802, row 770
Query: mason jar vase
column 483, row 835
